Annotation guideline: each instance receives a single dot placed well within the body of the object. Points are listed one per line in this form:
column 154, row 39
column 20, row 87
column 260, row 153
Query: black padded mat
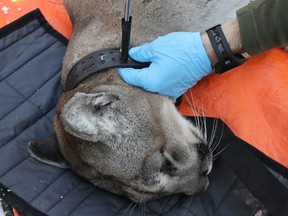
column 31, row 54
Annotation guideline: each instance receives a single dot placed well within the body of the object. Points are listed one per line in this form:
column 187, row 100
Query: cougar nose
column 205, row 172
column 205, row 155
column 203, row 150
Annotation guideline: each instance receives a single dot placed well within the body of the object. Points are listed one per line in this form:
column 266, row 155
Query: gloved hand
column 178, row 61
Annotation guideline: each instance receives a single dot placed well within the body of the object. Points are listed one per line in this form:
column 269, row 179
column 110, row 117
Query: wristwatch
column 226, row 58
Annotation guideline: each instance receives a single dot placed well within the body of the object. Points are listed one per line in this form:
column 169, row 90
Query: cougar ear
column 48, row 152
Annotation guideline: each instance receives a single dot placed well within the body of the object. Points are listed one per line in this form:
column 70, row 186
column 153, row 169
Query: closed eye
column 168, row 168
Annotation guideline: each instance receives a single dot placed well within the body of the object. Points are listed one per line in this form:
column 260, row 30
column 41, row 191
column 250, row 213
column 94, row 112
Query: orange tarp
column 53, row 10
column 252, row 99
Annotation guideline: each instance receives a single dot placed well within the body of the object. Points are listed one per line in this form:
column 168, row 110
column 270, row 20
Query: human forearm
column 232, row 34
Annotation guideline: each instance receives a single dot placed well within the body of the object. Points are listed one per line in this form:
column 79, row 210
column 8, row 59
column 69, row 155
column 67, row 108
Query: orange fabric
column 53, row 10
column 251, row 99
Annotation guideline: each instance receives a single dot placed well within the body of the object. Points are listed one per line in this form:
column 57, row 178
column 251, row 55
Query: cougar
column 116, row 136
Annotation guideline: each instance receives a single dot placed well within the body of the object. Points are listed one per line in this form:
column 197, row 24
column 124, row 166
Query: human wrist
column 209, row 49
column 232, row 33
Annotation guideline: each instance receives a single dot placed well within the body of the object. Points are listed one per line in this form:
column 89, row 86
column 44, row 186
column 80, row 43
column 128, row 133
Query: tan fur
column 119, row 137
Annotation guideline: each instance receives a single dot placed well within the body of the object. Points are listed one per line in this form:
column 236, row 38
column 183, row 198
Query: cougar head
column 118, row 137
column 134, row 143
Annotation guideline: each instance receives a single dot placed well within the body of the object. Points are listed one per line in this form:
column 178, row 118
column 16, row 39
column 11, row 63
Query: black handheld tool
column 126, row 32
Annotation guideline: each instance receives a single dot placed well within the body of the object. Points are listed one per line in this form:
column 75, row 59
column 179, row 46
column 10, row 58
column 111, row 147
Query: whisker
column 197, row 113
column 204, row 121
column 218, row 153
column 219, row 139
column 142, row 208
column 133, row 209
column 213, row 135
column 127, row 208
column 142, row 195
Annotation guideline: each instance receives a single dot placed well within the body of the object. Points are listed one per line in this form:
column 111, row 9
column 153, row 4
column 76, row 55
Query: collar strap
column 97, row 62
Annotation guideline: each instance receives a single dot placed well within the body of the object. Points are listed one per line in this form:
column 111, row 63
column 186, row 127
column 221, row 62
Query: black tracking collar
column 97, row 62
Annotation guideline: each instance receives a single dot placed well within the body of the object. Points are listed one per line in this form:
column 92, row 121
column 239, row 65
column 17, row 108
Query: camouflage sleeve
column 263, row 25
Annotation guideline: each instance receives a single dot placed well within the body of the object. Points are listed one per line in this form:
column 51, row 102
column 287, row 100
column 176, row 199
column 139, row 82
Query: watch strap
column 226, row 59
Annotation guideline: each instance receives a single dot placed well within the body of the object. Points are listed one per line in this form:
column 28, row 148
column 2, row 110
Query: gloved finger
column 141, row 53
column 131, row 76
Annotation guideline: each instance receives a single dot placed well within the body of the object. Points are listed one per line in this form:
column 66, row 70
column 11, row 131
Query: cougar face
column 135, row 143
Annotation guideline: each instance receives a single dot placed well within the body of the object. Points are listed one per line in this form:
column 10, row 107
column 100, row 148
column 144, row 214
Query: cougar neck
column 87, row 38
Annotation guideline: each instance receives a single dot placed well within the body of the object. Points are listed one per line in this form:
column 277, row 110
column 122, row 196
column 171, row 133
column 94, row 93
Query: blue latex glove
column 178, row 61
